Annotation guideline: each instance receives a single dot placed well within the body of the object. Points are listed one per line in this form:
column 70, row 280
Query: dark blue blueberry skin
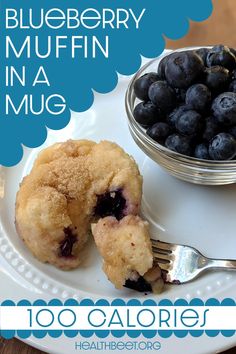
column 233, row 51
column 180, row 95
column 201, row 152
column 175, row 114
column 189, row 123
column 159, row 132
column 183, row 69
column 224, row 108
column 222, row 147
column 179, row 143
column 221, row 55
column 66, row 246
column 232, row 86
column 232, row 131
column 202, row 52
column 140, row 285
column 162, row 66
column 142, row 85
column 233, row 75
column 217, row 78
column 162, row 95
column 219, row 48
column 211, row 128
column 198, row 97
column 146, row 113
column 110, row 203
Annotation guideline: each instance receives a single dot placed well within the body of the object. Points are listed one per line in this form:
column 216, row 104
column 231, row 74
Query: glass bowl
column 190, row 169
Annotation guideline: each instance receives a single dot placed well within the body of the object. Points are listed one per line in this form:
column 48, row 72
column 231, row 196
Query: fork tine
column 160, row 250
column 163, row 245
column 164, row 258
column 164, row 266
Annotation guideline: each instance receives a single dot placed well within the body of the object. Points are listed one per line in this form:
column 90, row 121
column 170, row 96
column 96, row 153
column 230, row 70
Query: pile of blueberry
column 189, row 105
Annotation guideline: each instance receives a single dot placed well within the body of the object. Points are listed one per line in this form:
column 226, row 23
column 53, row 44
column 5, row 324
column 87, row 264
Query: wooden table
column 220, row 28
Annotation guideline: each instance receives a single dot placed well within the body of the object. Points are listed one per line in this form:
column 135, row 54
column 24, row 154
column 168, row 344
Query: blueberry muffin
column 71, row 185
column 127, row 253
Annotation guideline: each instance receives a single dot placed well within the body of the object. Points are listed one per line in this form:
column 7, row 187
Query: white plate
column 203, row 217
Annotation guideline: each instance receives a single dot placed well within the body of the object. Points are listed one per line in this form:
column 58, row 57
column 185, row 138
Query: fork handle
column 221, row 263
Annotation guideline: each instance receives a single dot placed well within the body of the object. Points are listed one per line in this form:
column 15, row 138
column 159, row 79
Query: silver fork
column 181, row 263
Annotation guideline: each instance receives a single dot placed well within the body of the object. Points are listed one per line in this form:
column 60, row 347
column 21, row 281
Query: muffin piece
column 127, row 253
column 72, row 184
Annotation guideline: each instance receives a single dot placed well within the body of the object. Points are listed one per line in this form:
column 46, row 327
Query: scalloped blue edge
column 24, row 334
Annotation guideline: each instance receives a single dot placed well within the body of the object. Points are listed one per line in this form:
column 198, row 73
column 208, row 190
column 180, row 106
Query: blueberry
column 224, row 108
column 67, row 244
column 162, row 66
column 175, row 114
column 221, row 55
column 142, row 85
column 232, row 86
column 232, row 131
column 162, row 95
column 146, row 113
column 183, row 69
column 201, row 152
column 217, row 78
column 180, row 94
column 233, row 51
column 110, row 203
column 218, row 48
column 140, row 285
column 189, row 123
column 159, row 132
column 198, row 97
column 222, row 147
column 202, row 53
column 211, row 128
column 233, row 75
column 179, row 143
